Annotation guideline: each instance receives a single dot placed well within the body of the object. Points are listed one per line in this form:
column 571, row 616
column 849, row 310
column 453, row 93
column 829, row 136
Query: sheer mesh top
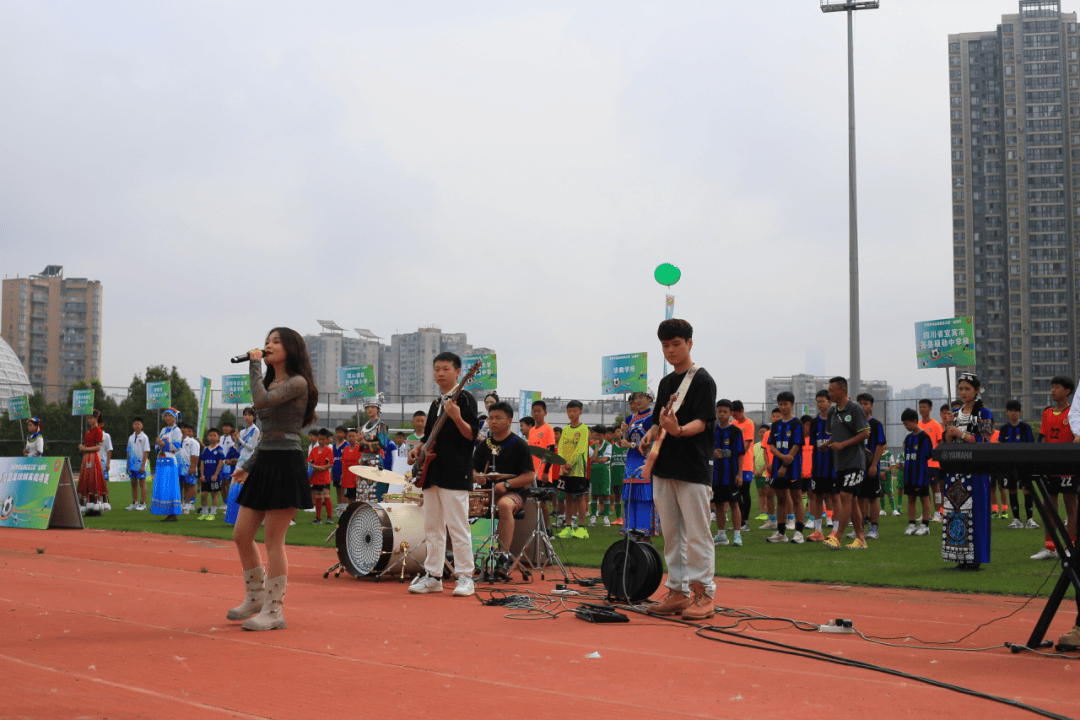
column 280, row 411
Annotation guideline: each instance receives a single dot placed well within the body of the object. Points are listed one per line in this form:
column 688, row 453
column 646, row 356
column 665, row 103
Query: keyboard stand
column 1065, row 550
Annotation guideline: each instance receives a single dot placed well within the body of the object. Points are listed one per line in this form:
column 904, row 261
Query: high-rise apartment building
column 1014, row 97
column 412, row 356
column 331, row 350
column 805, row 389
column 53, row 324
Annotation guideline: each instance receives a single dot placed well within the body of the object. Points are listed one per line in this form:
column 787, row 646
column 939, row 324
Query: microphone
column 240, row 358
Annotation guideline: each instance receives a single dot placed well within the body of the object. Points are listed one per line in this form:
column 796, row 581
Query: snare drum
column 480, row 504
column 374, row 536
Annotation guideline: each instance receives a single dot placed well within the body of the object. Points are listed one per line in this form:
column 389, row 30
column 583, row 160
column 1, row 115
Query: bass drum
column 374, row 536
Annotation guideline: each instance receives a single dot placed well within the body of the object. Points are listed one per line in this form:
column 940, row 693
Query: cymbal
column 548, row 456
column 485, row 478
column 374, row 474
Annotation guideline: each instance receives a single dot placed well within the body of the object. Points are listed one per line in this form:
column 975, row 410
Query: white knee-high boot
column 253, row 601
column 271, row 617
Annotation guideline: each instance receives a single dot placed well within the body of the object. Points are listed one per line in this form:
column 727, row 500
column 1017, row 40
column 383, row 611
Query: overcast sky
column 511, row 170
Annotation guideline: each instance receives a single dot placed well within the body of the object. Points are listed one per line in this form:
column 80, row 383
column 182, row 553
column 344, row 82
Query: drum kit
column 378, row 538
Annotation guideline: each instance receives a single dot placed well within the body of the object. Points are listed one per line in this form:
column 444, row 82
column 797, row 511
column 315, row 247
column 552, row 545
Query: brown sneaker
column 673, row 604
column 1070, row 641
column 701, row 605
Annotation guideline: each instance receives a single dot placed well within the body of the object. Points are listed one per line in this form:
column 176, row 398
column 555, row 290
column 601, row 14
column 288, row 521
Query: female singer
column 965, row 537
column 274, row 479
column 166, row 498
column 91, row 480
column 35, row 444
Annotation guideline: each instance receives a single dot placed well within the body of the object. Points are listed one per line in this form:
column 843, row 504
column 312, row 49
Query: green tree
column 228, row 417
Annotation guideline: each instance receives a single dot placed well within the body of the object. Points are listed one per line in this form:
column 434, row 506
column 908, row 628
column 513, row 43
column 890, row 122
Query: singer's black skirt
column 278, row 481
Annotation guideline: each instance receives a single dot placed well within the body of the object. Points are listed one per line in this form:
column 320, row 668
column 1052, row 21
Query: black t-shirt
column 452, row 466
column 511, row 456
column 687, row 458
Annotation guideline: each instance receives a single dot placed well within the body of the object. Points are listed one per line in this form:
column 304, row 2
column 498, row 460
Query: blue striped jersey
column 822, row 460
column 1020, row 432
column 918, row 449
column 727, row 469
column 876, row 437
column 787, row 435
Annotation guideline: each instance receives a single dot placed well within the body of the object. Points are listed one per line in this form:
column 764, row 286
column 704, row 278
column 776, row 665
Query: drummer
column 505, row 453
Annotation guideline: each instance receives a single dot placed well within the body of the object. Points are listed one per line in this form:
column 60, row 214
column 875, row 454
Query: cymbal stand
column 540, row 544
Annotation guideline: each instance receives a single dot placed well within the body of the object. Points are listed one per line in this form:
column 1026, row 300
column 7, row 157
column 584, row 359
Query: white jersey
column 183, row 459
column 106, row 448
column 249, row 439
column 401, row 459
column 35, row 445
column 136, row 446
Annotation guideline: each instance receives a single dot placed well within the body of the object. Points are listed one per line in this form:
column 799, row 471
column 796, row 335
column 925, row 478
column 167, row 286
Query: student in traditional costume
column 91, row 481
column 166, row 498
column 965, row 535
column 35, row 444
column 639, row 511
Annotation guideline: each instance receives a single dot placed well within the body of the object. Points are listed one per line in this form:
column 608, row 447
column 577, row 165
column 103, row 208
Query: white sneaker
column 310, row 510
column 922, row 530
column 720, row 539
column 896, row 513
column 769, row 525
column 142, row 506
column 809, row 524
column 1017, row 524
column 426, row 584
column 592, row 521
column 936, row 518
column 464, row 587
column 607, row 521
column 712, row 515
column 132, row 506
column 1031, row 524
column 777, row 538
column 910, row 530
column 798, row 538
column 851, row 534
column 872, row 534
column 1044, row 554
column 790, row 525
column 106, row 506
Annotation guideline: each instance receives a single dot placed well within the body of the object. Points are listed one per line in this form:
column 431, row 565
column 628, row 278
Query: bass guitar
column 427, row 450
column 673, row 406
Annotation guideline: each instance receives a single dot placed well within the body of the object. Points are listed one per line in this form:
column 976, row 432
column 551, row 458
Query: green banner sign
column 158, row 395
column 525, row 400
column 204, row 405
column 357, row 381
column 236, row 389
column 945, row 343
column 486, row 378
column 19, row 407
column 28, row 487
column 624, row 373
column 82, row 402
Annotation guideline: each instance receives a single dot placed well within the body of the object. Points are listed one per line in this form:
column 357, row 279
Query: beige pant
column 684, row 521
column 447, row 511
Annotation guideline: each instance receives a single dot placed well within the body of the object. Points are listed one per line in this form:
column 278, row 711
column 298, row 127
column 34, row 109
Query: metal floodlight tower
column 855, row 379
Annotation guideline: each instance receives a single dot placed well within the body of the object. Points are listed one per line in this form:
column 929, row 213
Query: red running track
column 118, row 625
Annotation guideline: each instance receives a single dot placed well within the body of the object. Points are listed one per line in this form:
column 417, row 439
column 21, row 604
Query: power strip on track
column 838, row 626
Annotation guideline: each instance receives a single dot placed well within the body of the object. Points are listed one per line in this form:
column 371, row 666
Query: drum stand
column 540, row 543
column 490, row 556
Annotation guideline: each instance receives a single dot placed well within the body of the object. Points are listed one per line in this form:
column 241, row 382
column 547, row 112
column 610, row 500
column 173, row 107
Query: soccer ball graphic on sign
column 935, row 353
column 616, row 382
column 7, row 508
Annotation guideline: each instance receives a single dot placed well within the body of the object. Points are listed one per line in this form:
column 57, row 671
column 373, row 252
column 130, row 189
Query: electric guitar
column 427, row 450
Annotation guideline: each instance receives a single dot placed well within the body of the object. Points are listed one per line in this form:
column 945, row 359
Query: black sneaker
column 316, row 521
column 503, row 565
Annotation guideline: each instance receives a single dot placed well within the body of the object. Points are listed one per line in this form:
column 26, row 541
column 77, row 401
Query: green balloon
column 667, row 274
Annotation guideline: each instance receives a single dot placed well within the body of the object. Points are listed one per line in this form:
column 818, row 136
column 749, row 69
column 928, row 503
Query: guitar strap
column 684, row 386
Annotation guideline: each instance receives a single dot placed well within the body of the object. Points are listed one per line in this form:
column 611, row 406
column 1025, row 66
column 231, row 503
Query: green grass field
column 895, row 560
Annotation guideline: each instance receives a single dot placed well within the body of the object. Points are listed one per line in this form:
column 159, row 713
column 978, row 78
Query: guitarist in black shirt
column 447, row 480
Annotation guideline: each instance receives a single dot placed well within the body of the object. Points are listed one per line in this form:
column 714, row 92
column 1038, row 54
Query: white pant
column 447, row 510
column 684, row 520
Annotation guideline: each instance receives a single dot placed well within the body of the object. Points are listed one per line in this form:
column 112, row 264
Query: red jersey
column 1055, row 426
column 321, row 455
column 350, row 456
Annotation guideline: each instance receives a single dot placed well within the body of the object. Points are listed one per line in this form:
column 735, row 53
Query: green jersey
column 618, row 464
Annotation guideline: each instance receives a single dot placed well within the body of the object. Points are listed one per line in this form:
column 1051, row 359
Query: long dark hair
column 973, row 380
column 297, row 362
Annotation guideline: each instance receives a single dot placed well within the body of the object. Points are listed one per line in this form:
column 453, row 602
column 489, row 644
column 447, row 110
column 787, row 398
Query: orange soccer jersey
column 934, row 430
column 747, row 427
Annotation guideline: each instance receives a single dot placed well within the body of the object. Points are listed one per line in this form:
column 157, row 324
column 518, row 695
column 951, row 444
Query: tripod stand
column 543, row 554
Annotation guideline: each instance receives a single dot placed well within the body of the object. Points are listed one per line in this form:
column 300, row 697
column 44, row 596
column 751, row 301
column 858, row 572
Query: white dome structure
column 13, row 379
